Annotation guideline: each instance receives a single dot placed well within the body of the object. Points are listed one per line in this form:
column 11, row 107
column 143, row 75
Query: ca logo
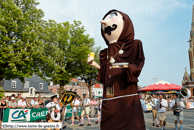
column 19, row 114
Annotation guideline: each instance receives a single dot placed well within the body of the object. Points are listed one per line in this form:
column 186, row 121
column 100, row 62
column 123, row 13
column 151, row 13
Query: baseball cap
column 12, row 98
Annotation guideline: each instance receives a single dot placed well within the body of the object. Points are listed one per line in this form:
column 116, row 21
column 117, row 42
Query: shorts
column 161, row 116
column 75, row 114
column 180, row 117
column 154, row 113
column 85, row 111
column 99, row 112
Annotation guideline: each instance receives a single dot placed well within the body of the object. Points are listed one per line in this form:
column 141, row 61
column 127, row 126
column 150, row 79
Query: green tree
column 68, row 47
column 21, row 50
column 90, row 73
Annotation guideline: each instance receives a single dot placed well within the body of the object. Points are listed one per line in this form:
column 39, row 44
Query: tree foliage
column 68, row 47
column 21, row 47
column 30, row 45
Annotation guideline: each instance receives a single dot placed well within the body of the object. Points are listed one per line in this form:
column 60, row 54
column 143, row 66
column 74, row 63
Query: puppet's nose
column 104, row 22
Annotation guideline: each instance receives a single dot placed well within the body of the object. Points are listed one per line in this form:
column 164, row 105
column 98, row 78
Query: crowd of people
column 160, row 104
column 11, row 101
column 88, row 107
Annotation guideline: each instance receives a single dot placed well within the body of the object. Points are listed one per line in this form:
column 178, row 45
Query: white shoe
column 79, row 123
column 71, row 124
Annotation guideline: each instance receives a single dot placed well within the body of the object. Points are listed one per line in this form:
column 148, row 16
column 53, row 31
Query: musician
column 85, row 110
column 177, row 105
column 161, row 105
column 55, row 111
column 75, row 110
column 154, row 110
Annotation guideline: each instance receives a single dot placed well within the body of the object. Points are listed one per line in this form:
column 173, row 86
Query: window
column 41, row 86
column 13, row 84
column 83, row 92
column 31, row 91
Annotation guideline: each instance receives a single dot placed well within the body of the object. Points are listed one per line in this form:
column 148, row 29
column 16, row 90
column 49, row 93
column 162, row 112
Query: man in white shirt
column 12, row 103
column 154, row 111
column 85, row 110
column 22, row 103
column 75, row 110
column 178, row 113
column 55, row 111
column 142, row 104
column 34, row 102
column 161, row 105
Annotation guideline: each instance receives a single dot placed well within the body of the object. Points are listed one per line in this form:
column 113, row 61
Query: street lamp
column 155, row 79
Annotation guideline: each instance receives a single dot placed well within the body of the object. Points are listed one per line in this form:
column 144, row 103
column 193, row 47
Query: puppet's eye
column 111, row 15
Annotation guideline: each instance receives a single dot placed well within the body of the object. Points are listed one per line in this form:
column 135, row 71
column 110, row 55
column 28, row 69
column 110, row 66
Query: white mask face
column 112, row 26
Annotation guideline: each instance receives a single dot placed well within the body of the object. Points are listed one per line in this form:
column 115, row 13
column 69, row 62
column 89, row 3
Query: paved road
column 188, row 122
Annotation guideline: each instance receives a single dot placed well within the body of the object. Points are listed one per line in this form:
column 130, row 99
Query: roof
column 97, row 85
column 75, row 80
column 161, row 86
column 29, row 82
column 82, row 84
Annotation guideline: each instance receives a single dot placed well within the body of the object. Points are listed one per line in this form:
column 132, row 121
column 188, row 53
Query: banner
column 30, row 114
column 24, row 115
column 190, row 105
column 69, row 111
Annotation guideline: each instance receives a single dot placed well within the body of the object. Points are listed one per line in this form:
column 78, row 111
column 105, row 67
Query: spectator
column 34, row 103
column 12, row 103
column 3, row 105
column 22, row 103
column 40, row 103
column 93, row 104
column 18, row 98
column 8, row 99
column 143, row 104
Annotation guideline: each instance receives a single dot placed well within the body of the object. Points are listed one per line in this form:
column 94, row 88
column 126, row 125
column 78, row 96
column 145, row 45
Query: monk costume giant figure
column 120, row 66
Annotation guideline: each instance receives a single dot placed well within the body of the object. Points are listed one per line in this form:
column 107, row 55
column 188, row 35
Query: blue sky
column 163, row 26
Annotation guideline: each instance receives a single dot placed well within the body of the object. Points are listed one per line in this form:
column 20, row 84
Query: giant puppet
column 120, row 66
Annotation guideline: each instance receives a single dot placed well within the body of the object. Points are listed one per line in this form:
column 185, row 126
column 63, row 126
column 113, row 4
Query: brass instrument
column 174, row 108
column 159, row 104
column 184, row 93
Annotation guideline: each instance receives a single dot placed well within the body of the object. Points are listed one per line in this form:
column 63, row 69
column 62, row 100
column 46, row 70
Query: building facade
column 79, row 87
column 188, row 80
column 97, row 90
column 33, row 87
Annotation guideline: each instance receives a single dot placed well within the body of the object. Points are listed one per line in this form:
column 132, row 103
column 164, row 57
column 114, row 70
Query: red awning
column 161, row 86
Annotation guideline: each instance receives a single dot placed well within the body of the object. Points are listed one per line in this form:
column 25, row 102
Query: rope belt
column 120, row 96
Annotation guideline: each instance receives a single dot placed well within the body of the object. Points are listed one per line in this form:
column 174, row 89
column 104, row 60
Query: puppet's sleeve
column 134, row 69
column 102, row 66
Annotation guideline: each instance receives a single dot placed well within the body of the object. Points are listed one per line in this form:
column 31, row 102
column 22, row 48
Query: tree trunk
column 61, row 91
column 90, row 92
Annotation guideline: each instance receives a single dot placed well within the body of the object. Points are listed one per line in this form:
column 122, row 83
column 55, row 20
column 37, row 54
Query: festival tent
column 161, row 86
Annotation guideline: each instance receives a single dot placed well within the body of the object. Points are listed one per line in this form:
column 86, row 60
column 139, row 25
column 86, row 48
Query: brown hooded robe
column 122, row 113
